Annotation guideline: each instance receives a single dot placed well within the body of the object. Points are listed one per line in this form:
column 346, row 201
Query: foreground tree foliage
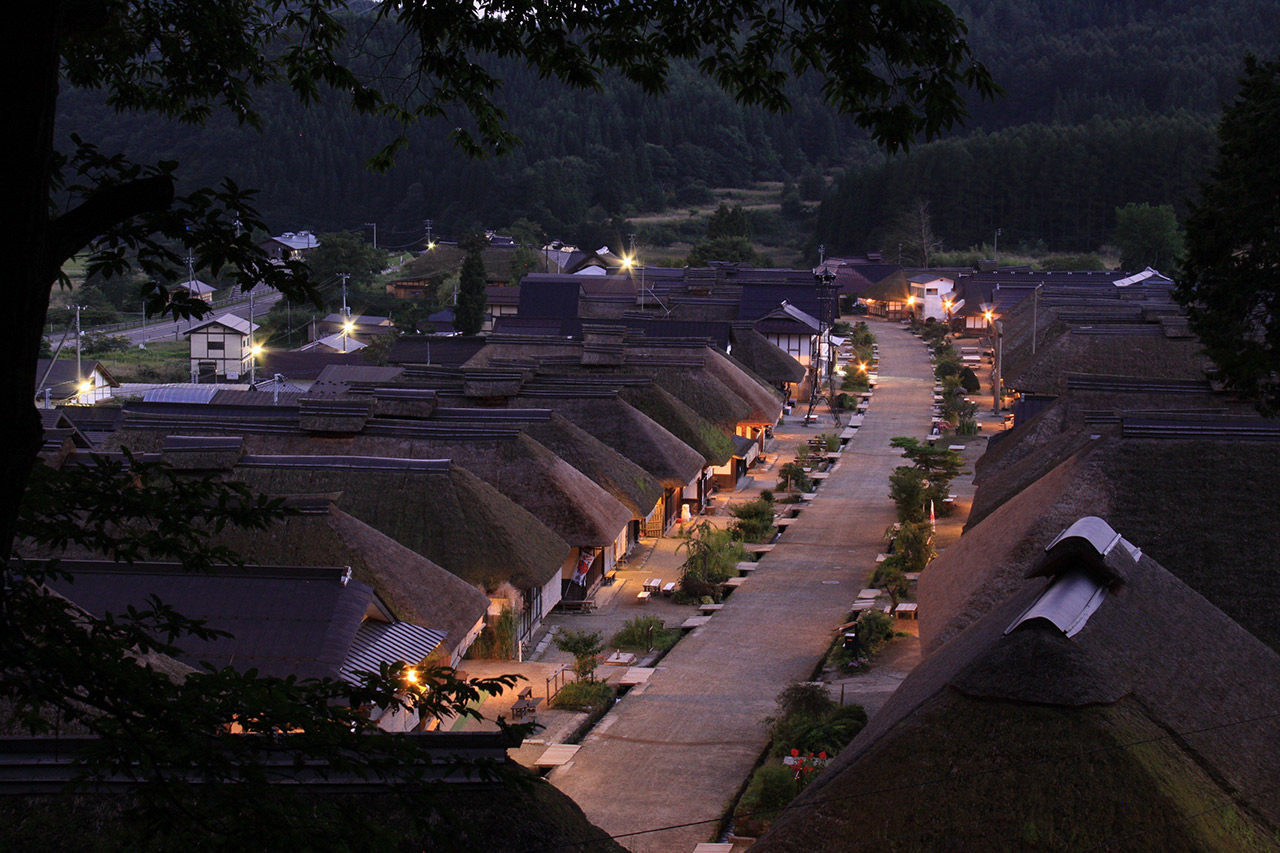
column 899, row 69
column 165, row 728
column 1231, row 278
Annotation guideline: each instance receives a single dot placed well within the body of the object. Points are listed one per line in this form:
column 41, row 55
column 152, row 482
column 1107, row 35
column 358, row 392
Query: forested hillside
column 1107, row 102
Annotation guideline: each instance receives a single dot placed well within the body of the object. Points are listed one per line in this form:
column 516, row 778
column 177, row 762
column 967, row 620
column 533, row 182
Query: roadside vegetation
column 809, row 730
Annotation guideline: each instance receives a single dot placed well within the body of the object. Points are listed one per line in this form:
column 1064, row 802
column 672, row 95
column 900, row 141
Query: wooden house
column 290, row 245
column 221, row 348
column 57, row 382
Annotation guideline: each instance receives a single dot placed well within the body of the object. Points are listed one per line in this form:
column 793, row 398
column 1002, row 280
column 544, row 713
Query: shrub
column 643, row 633
column 809, row 721
column 585, row 648
column 497, row 640
column 766, row 495
column 584, row 696
column 793, row 475
column 969, row 380
column 770, row 790
column 875, row 629
column 890, row 577
column 754, row 520
column 712, row 558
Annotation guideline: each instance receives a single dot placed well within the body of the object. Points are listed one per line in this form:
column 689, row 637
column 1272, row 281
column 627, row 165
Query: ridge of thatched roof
column 755, row 352
column 1138, row 705
column 682, row 421
column 763, row 400
column 1074, row 346
column 1171, row 493
column 453, row 518
column 414, row 588
column 629, row 431
column 630, row 484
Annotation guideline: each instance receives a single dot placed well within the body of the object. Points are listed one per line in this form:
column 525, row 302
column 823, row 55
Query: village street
column 659, row 770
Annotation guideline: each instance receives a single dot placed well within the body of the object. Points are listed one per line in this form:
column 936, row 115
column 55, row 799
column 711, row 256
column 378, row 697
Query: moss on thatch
column 630, row 484
column 454, row 519
column 987, row 780
column 687, row 425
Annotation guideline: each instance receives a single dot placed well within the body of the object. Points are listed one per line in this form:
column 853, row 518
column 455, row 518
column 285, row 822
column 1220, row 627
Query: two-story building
column 221, row 348
column 930, row 296
column 289, row 245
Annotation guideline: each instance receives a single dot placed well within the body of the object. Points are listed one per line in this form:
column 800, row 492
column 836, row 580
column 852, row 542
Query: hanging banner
column 584, row 565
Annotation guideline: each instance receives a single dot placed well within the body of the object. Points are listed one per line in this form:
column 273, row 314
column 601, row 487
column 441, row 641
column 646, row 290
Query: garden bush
column 643, row 633
column 584, row 696
column 771, row 788
column 754, row 520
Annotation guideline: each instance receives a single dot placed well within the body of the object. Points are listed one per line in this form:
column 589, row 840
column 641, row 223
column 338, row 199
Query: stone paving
column 660, row 770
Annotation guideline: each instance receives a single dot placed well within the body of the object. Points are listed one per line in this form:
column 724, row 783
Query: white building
column 222, row 348
column 930, row 296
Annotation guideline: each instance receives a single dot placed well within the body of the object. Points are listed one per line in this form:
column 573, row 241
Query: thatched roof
column 892, row 288
column 416, row 589
column 1080, row 345
column 557, row 494
column 627, row 430
column 763, row 400
column 1131, row 733
column 450, row 516
column 1207, row 509
column 681, row 420
column 630, row 484
column 763, row 358
column 1089, row 406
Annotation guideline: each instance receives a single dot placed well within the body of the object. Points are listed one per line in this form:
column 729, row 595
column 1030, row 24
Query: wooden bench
column 584, row 606
column 669, row 588
column 643, row 595
column 525, row 704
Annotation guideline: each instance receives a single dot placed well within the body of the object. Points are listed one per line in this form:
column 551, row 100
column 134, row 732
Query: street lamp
column 347, row 328
column 254, row 351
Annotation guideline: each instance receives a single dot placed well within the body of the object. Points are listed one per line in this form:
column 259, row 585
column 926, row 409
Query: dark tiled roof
column 284, row 620
column 550, row 296
column 448, row 350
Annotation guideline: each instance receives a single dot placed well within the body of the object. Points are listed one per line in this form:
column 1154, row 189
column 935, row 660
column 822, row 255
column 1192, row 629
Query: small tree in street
column 585, row 648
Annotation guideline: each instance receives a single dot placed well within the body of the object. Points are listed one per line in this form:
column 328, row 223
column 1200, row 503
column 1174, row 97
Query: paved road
column 675, row 752
column 169, row 330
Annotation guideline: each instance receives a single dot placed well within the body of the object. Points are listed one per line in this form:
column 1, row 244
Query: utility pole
column 346, row 317
column 374, row 226
column 430, row 243
column 996, row 249
column 79, row 372
column 822, row 254
column 191, row 268
column 1035, row 315
column 253, row 355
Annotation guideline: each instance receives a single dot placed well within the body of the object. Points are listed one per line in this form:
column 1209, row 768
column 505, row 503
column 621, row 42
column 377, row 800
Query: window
column 215, row 346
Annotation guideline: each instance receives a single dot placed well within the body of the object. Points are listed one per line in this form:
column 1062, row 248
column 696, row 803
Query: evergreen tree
column 469, row 313
column 1229, row 283
column 1148, row 236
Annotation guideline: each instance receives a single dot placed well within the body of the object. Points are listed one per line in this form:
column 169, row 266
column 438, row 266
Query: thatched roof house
column 1202, row 501
column 757, row 354
column 437, row 509
column 414, row 588
column 1104, row 704
column 300, row 621
column 1125, row 338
